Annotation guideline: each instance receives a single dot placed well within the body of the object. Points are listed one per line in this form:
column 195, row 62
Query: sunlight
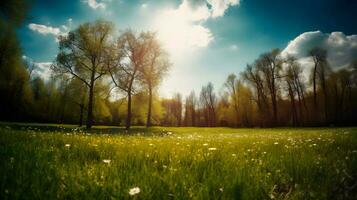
column 180, row 31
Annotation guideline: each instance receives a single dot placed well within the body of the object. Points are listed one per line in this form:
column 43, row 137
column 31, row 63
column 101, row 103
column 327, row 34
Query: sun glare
column 180, row 30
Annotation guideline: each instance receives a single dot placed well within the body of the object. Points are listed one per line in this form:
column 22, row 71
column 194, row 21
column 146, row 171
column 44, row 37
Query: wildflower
column 67, row 145
column 234, row 155
column 107, row 161
column 205, row 144
column 276, row 143
column 212, row 149
column 134, row 191
column 221, row 189
column 169, row 133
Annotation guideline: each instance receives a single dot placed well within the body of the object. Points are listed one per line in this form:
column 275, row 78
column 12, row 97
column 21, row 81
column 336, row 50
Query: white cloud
column 144, row 5
column 49, row 30
column 341, row 49
column 95, row 5
column 43, row 29
column 43, row 70
column 220, row 6
column 182, row 29
column 204, row 9
column 193, row 11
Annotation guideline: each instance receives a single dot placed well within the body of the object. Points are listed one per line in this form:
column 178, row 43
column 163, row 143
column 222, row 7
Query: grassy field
column 62, row 162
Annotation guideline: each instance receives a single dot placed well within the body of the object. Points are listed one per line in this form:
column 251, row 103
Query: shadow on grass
column 66, row 128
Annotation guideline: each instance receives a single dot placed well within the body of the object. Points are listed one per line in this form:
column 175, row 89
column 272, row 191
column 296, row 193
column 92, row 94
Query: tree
column 75, row 91
column 172, row 110
column 131, row 58
column 252, row 75
column 190, row 109
column 340, row 84
column 155, row 67
column 319, row 58
column 208, row 101
column 14, row 82
column 232, row 85
column 81, row 54
column 296, row 88
column 269, row 66
column 177, row 108
column 323, row 72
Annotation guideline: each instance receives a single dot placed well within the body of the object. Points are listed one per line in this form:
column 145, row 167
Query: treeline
column 273, row 91
column 106, row 78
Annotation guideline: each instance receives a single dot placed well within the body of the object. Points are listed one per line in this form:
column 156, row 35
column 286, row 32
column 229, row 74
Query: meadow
column 65, row 162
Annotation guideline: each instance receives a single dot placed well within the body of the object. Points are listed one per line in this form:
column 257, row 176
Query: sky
column 206, row 39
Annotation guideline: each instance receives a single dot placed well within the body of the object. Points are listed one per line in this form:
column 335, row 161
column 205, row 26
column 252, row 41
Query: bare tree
column 208, row 101
column 319, row 57
column 296, row 88
column 81, row 55
column 252, row 75
column 269, row 66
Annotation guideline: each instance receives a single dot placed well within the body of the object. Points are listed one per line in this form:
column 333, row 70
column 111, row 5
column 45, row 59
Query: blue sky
column 206, row 39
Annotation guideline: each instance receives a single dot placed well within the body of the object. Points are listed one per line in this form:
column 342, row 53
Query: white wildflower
column 107, row 161
column 212, row 149
column 134, row 191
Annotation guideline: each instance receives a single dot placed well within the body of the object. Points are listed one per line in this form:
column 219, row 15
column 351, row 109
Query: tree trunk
column 128, row 116
column 275, row 110
column 90, row 102
column 193, row 116
column 81, row 115
column 324, row 90
column 314, row 86
column 148, row 120
column 90, row 107
column 293, row 106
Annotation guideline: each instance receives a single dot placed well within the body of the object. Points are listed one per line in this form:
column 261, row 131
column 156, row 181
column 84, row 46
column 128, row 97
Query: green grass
column 50, row 162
